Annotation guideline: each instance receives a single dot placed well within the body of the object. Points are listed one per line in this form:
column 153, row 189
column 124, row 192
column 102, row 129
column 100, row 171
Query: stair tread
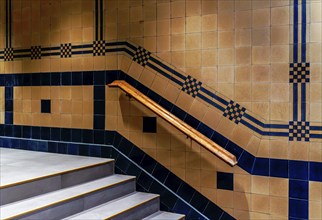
column 19, row 166
column 115, row 207
column 161, row 215
column 45, row 200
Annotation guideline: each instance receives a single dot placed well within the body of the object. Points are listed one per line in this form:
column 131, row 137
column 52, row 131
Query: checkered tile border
column 299, row 72
column 8, row 54
column 65, row 50
column 234, row 112
column 35, row 52
column 191, row 86
column 141, row 56
column 99, row 48
column 299, row 131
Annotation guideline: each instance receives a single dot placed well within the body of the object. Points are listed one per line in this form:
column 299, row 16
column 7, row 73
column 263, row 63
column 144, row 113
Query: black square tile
column 225, row 181
column 149, row 124
column 45, row 106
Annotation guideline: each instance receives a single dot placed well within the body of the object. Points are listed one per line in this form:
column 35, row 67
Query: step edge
column 57, row 174
column 130, row 178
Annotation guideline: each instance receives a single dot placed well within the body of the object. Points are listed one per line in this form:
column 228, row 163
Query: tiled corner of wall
column 247, row 74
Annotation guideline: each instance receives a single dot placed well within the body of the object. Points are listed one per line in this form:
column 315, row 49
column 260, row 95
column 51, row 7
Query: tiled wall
column 249, row 70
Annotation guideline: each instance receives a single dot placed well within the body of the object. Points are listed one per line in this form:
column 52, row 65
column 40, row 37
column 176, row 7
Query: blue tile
column 99, row 93
column 149, row 124
column 125, row 146
column 168, row 199
column 315, row 171
column 178, row 112
column 225, row 181
column 212, row 211
column 148, row 163
column 122, row 163
column 73, row 149
column 226, row 216
column 65, row 134
column 205, row 130
column 66, row 78
column 99, row 122
column 145, row 181
column 76, row 135
column 160, row 172
column 246, row 161
column 173, row 182
column 166, row 104
column 278, row 168
column 261, row 167
column 99, row 136
column 198, row 201
column 298, row 170
column 55, row 134
column 55, row 79
column 194, row 215
column 298, row 209
column 45, row 133
column 77, row 78
column 299, row 189
column 35, row 132
column 192, row 121
column 45, row 106
column 185, row 191
column 83, row 150
column 234, row 149
column 219, row 139
column 181, row 208
column 136, row 155
column 106, row 152
column 87, row 136
column 88, row 78
column 99, row 78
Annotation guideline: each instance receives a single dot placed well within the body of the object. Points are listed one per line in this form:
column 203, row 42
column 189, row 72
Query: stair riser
column 82, row 203
column 27, row 190
column 49, row 184
column 141, row 211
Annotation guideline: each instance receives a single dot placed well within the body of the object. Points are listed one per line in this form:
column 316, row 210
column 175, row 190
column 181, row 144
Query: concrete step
column 133, row 206
column 25, row 174
column 71, row 200
column 160, row 215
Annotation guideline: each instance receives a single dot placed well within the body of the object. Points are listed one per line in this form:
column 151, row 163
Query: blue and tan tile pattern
column 299, row 129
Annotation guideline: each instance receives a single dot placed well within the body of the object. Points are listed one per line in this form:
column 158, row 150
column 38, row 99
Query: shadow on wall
column 184, row 157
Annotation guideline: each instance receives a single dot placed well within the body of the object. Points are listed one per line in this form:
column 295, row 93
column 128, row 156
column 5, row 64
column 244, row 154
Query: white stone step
column 134, row 206
column 69, row 201
column 161, row 215
column 24, row 174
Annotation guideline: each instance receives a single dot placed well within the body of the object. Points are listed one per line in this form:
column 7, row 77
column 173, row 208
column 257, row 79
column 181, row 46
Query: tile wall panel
column 228, row 68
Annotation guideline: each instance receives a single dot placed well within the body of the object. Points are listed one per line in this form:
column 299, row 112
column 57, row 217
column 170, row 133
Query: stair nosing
column 154, row 196
column 130, row 178
column 56, row 174
column 133, row 207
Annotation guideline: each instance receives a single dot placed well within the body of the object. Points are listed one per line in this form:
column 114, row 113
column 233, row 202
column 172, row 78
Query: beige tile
column 260, row 185
column 315, row 191
column 315, row 210
column 209, row 40
column 260, row 55
column 278, row 148
column 279, row 54
column 243, row 18
column 163, row 10
column 163, row 27
column 209, row 58
column 209, row 7
column 225, row 198
column 242, row 183
column 243, row 56
column 193, row 24
column 193, row 41
column 226, row 39
column 178, row 25
column 226, row 56
column 178, row 8
column 279, row 111
column 278, row 206
column 242, row 92
column 278, row 187
column 209, row 22
column 193, row 177
column 280, row 15
column 226, row 21
column 178, row 42
column 163, row 43
column 193, row 8
column 261, row 17
column 184, row 101
column 260, row 203
column 242, row 201
column 261, row 37
column 193, row 59
column 299, row 150
column 279, row 92
column 260, row 92
column 280, row 35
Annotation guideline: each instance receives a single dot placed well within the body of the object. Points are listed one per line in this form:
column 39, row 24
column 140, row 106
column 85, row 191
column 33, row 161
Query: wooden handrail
column 176, row 122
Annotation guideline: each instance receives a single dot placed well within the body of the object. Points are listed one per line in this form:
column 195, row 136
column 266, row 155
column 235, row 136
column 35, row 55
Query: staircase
column 36, row 185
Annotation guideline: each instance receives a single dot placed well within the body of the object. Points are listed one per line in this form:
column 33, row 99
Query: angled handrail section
column 176, row 122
